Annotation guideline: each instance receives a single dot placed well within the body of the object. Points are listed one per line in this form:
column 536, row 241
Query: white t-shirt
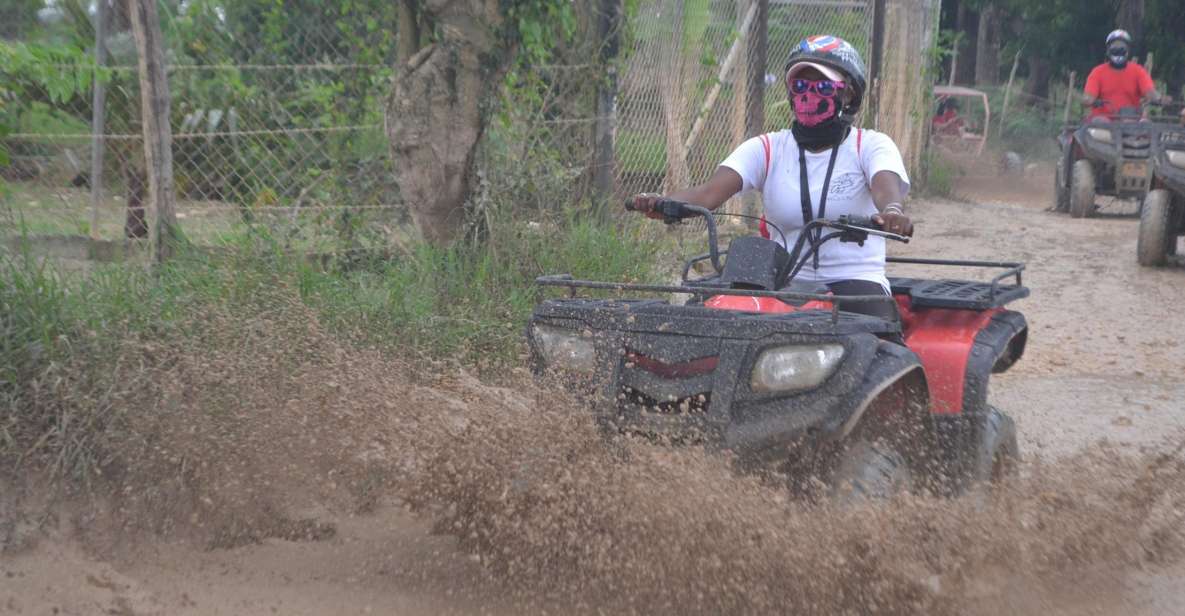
column 861, row 156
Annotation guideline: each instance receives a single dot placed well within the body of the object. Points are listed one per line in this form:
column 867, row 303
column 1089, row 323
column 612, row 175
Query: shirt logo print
column 846, row 185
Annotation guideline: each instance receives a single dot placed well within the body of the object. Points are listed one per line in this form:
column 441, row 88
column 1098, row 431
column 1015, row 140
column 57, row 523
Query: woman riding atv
column 1119, row 83
column 820, row 168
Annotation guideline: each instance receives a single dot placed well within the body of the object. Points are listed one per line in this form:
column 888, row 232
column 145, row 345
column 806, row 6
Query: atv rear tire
column 996, row 452
column 1060, row 189
column 1155, row 229
column 1082, row 189
column 870, row 470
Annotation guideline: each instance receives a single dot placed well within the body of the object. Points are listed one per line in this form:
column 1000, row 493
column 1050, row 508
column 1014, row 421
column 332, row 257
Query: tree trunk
column 409, row 31
column 1130, row 17
column 135, row 225
column 967, row 24
column 1037, row 87
column 987, row 47
column 438, row 110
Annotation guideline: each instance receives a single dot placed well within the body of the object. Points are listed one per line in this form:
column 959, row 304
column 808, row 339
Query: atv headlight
column 1176, row 158
column 795, row 367
column 565, row 349
column 1100, row 134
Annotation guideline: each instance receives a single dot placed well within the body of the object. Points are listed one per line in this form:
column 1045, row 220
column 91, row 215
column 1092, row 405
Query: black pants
column 880, row 309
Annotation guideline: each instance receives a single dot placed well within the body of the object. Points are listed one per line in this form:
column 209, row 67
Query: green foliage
column 1070, row 33
column 38, row 72
column 786, row 24
column 1167, row 21
column 941, row 174
column 539, row 26
column 18, row 18
column 36, row 82
column 275, row 169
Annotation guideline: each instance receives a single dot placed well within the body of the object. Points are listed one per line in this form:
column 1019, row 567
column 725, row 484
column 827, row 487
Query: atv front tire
column 870, row 470
column 1060, row 189
column 1082, row 189
column 1156, row 233
column 996, row 452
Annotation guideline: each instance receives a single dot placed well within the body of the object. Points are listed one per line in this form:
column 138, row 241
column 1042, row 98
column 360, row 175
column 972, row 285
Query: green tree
column 18, row 18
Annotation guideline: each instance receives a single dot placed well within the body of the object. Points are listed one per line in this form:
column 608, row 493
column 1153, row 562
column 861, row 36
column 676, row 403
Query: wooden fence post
column 158, row 137
column 872, row 99
column 1070, row 97
column 98, row 116
column 757, row 48
column 1008, row 91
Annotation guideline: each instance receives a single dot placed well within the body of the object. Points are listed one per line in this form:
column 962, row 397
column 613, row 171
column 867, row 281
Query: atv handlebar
column 674, row 211
column 847, row 229
column 865, row 224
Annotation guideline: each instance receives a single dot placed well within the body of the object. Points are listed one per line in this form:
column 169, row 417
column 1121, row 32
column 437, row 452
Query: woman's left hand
column 895, row 223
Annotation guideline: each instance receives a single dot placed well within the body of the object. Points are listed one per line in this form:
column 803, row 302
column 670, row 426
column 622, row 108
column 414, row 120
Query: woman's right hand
column 647, row 203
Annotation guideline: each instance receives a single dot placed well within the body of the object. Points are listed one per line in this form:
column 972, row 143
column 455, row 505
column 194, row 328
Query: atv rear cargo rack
column 961, row 294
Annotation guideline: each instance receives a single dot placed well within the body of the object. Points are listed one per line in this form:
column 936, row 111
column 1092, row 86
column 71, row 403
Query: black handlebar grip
column 864, row 222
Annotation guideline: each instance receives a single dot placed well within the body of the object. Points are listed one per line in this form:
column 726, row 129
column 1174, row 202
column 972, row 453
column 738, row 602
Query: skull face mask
column 814, row 102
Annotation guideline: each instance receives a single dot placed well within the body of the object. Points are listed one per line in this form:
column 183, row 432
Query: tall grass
column 62, row 335
column 941, row 175
column 466, row 301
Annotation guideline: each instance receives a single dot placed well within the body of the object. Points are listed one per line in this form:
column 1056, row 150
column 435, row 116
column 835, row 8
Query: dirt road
column 1106, row 362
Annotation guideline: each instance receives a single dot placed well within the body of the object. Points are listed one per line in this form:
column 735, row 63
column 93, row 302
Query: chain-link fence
column 277, row 111
column 276, row 118
column 702, row 77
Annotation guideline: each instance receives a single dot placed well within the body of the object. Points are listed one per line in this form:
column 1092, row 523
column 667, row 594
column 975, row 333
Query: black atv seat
column 956, row 294
column 804, row 286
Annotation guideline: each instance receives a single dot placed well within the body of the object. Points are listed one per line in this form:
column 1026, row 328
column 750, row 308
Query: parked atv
column 1162, row 219
column 780, row 373
column 1107, row 158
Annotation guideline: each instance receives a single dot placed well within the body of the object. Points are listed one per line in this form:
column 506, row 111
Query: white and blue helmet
column 1119, row 35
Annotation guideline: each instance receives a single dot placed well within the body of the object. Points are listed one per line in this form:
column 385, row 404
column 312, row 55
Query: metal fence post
column 609, row 32
column 154, row 108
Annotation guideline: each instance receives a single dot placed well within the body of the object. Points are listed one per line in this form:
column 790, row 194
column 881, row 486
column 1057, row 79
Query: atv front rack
column 836, row 301
column 942, row 293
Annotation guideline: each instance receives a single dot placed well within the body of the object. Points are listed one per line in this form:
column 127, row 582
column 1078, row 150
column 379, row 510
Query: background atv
column 1113, row 158
column 1162, row 219
column 780, row 373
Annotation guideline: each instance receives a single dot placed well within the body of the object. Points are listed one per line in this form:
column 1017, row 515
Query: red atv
column 778, row 372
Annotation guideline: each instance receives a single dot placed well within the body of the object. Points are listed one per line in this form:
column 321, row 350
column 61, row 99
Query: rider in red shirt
column 1119, row 83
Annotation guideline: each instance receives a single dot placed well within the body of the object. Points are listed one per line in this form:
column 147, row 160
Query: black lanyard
column 805, row 186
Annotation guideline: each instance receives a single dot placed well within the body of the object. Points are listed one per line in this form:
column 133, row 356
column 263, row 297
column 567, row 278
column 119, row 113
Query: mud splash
column 645, row 529
column 273, row 428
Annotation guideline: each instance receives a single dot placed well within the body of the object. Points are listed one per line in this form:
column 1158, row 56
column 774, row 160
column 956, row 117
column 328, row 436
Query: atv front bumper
column 684, row 373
